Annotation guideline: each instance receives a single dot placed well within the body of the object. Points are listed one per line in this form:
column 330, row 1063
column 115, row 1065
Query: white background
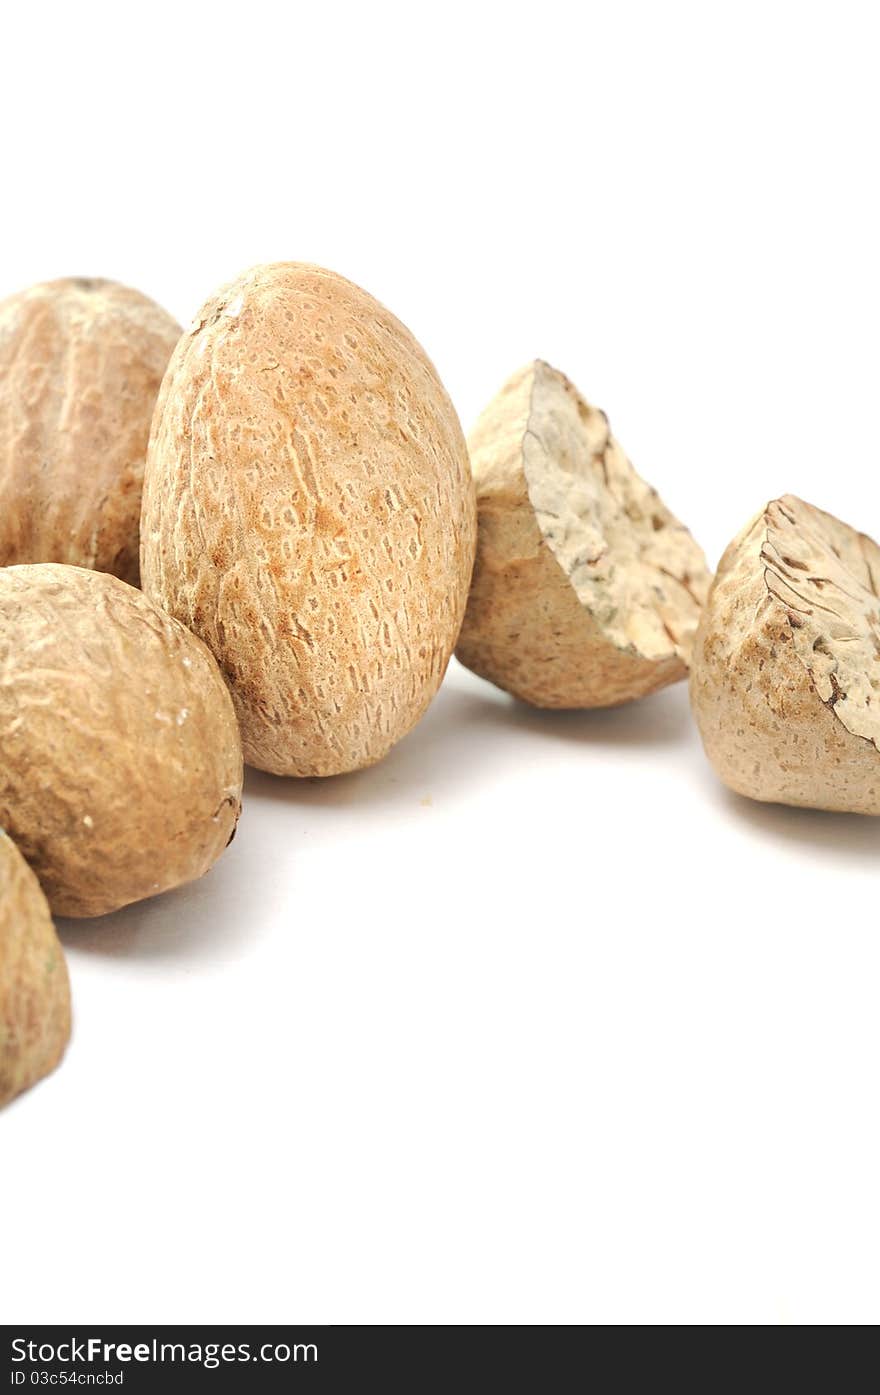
column 532, row 1022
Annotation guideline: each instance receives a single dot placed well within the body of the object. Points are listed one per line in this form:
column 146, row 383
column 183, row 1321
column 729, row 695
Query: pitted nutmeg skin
column 81, row 362
column 34, row 987
column 120, row 758
column 309, row 513
column 785, row 681
column 586, row 589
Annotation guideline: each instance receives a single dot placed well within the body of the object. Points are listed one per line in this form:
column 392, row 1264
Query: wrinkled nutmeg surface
column 309, row 512
column 120, row 759
column 586, row 589
column 785, row 684
column 34, row 987
column 81, row 362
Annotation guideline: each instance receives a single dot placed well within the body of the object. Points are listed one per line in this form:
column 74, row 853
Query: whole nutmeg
column 34, row 987
column 785, row 684
column 80, row 366
column 309, row 512
column 120, row 759
column 586, row 589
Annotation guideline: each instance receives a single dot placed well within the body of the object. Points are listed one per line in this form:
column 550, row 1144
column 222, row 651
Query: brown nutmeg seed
column 785, row 683
column 309, row 513
column 120, row 758
column 34, row 987
column 80, row 366
column 586, row 589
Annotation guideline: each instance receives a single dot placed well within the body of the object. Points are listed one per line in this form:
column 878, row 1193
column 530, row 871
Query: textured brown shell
column 785, row 684
column 34, row 988
column 80, row 366
column 120, row 759
column 309, row 512
column 586, row 589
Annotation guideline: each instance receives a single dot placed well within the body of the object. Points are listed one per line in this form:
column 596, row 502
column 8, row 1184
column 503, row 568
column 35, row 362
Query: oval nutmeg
column 586, row 589
column 785, row 683
column 81, row 362
column 34, row 986
column 120, row 758
column 309, row 513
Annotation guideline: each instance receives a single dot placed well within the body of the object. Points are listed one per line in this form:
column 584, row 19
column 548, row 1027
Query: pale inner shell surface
column 632, row 564
column 827, row 576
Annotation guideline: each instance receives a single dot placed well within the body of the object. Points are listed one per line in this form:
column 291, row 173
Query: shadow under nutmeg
column 205, row 920
column 464, row 740
column 838, row 837
column 661, row 719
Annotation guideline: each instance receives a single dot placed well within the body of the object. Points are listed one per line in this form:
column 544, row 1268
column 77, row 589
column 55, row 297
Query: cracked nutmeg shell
column 785, row 683
column 34, row 987
column 120, row 758
column 586, row 589
column 81, row 362
column 309, row 513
